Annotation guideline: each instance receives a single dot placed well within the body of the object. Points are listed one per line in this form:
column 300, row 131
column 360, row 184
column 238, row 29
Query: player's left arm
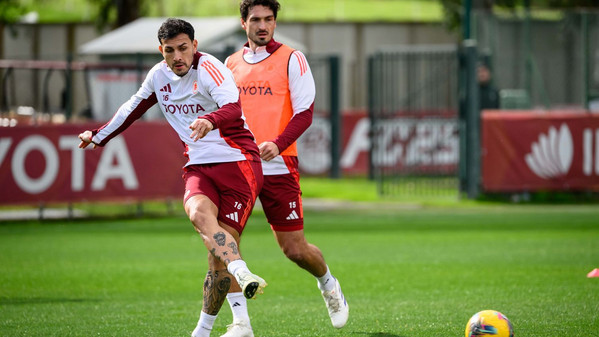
column 219, row 82
column 302, row 92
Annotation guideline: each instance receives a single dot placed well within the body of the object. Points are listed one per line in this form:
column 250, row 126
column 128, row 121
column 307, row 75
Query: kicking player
column 277, row 96
column 223, row 175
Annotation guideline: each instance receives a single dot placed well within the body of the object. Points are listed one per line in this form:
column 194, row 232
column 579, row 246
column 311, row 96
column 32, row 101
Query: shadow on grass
column 42, row 300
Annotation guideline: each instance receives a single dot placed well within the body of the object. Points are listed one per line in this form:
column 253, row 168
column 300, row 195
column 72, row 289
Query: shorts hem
column 198, row 193
column 287, row 227
column 231, row 224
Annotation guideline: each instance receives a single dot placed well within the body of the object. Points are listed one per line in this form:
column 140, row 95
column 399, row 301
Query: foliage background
column 119, row 12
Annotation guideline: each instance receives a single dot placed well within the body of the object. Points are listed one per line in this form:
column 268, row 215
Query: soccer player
column 277, row 96
column 223, row 175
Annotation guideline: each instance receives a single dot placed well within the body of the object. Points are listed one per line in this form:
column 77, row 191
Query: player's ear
column 242, row 23
column 160, row 49
column 195, row 44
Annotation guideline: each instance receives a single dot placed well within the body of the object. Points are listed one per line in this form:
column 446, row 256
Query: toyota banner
column 44, row 164
column 521, row 151
column 535, row 151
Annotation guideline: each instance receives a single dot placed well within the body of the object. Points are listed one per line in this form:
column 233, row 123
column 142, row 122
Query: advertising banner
column 532, row 151
column 428, row 145
column 44, row 164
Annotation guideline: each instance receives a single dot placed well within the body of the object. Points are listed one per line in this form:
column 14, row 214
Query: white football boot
column 336, row 305
column 250, row 284
column 239, row 329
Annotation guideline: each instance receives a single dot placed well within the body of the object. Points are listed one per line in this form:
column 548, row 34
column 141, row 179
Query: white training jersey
column 302, row 90
column 208, row 86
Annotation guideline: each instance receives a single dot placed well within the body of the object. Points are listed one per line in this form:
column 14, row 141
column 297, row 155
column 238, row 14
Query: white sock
column 239, row 307
column 326, row 281
column 204, row 326
column 236, row 266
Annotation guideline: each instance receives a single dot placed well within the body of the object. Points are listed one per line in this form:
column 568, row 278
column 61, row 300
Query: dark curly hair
column 173, row 27
column 246, row 5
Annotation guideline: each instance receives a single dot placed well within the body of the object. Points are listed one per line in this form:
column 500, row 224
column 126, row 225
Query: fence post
column 585, row 60
column 68, row 104
column 372, row 117
column 469, row 122
column 139, row 66
column 466, row 23
column 335, row 116
column 5, row 106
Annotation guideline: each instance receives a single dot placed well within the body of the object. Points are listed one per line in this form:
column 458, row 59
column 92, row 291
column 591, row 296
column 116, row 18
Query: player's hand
column 200, row 128
column 268, row 150
column 86, row 139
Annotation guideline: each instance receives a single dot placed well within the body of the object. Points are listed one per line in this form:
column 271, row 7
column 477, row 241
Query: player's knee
column 198, row 218
column 294, row 253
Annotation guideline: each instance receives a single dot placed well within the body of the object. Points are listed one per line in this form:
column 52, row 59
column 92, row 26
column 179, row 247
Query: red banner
column 44, row 164
column 418, row 144
column 532, row 151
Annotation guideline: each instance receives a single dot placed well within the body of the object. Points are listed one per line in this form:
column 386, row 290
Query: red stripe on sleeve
column 305, row 64
column 214, row 72
column 302, row 62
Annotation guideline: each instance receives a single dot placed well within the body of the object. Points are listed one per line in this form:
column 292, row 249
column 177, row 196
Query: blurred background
column 454, row 151
column 466, row 98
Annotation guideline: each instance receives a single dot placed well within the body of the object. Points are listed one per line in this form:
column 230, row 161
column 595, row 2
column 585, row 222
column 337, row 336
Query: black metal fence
column 47, row 89
column 413, row 106
column 548, row 59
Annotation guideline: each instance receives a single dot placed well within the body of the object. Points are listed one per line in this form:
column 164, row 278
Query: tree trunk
column 127, row 11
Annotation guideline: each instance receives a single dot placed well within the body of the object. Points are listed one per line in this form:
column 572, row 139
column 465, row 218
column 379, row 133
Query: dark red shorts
column 281, row 200
column 232, row 187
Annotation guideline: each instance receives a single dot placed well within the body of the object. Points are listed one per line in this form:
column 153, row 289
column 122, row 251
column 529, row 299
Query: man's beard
column 259, row 41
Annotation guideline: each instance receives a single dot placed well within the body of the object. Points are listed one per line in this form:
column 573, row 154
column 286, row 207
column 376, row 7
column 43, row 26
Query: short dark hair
column 246, row 5
column 173, row 27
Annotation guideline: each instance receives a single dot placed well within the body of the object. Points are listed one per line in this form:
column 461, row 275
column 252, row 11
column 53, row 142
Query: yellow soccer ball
column 489, row 323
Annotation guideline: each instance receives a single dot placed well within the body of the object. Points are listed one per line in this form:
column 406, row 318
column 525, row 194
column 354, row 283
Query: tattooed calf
column 233, row 247
column 216, row 287
column 220, row 238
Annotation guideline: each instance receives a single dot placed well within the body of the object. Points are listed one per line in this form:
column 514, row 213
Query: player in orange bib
column 277, row 94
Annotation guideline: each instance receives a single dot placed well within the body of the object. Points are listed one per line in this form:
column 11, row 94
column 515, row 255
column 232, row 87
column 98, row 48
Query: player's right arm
column 130, row 111
column 86, row 139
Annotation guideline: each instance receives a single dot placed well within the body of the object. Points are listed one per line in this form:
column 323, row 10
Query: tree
column 117, row 13
column 11, row 11
column 454, row 9
column 572, row 3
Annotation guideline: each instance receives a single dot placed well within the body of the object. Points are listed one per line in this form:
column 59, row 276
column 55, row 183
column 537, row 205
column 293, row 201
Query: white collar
column 259, row 50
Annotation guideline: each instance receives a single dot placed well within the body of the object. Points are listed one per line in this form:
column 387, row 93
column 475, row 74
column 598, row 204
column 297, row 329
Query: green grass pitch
column 408, row 272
